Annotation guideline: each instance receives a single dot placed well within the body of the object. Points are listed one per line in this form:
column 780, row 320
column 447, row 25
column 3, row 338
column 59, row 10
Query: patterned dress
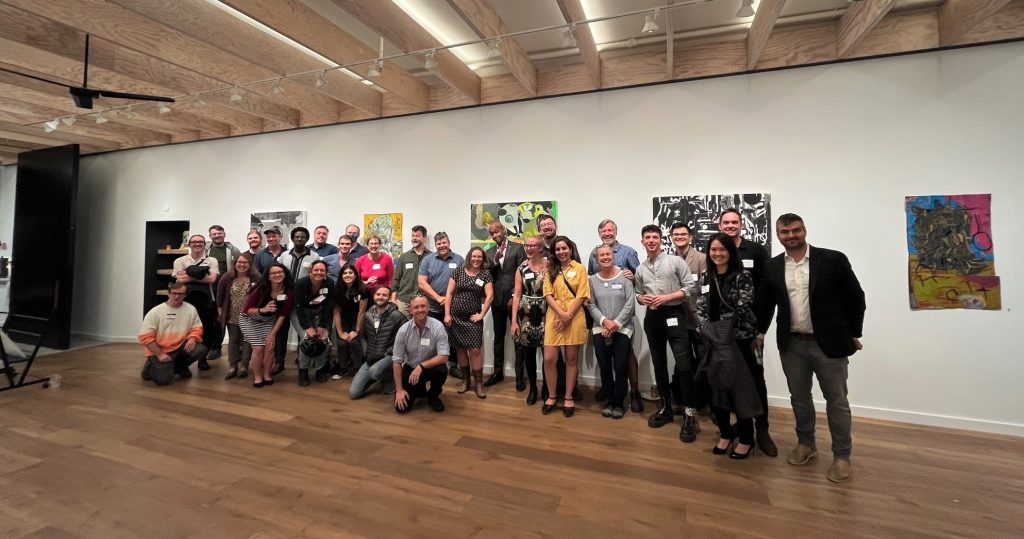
column 532, row 307
column 240, row 288
column 467, row 301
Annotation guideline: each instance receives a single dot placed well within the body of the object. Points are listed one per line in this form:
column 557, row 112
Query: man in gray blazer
column 502, row 261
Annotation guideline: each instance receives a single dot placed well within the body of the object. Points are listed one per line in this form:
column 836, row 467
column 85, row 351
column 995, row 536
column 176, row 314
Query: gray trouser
column 367, row 374
column 239, row 351
column 163, row 373
column 306, row 362
column 801, row 362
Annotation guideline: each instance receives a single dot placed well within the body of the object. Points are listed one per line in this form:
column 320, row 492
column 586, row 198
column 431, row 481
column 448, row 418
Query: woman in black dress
column 350, row 299
column 469, row 297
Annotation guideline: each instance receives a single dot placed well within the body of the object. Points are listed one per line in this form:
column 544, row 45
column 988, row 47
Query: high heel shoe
column 568, row 411
column 741, row 456
column 716, row 451
column 548, row 408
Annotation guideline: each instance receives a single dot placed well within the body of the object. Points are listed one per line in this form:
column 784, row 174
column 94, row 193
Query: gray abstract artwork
column 701, row 212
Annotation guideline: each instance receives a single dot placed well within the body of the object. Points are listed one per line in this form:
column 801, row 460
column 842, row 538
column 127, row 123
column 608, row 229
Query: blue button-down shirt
column 438, row 271
column 625, row 258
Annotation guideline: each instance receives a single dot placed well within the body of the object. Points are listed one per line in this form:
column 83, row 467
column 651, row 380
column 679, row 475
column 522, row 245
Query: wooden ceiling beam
column 481, row 17
column 215, row 27
column 957, row 17
column 300, row 23
column 37, row 135
column 141, row 34
column 572, row 11
column 761, row 29
column 388, row 20
column 143, row 120
column 123, row 134
column 858, row 20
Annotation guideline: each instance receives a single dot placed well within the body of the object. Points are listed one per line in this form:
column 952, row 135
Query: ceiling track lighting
column 746, row 9
column 493, row 48
column 430, row 62
column 51, row 125
column 320, row 80
column 375, row 69
column 100, row 118
column 198, row 102
column 651, row 22
column 163, row 108
column 68, row 121
column 278, row 89
column 569, row 36
column 130, row 114
column 235, row 96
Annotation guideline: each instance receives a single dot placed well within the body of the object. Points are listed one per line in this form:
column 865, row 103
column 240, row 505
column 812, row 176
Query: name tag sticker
column 306, row 264
column 376, row 324
column 672, row 322
column 617, row 286
column 479, row 282
column 281, row 297
column 425, row 341
column 408, row 265
column 705, row 289
column 324, row 290
column 748, row 263
column 528, row 276
column 172, row 316
column 375, row 266
column 571, row 273
column 318, row 299
column 452, row 265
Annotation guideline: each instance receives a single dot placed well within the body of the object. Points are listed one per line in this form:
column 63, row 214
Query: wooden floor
column 106, row 455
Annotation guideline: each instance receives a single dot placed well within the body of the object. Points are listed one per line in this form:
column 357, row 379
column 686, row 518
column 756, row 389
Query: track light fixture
column 198, row 101
column 569, row 37
column 431, row 59
column 130, row 114
column 278, row 89
column 375, row 69
column 235, row 95
column 320, row 80
column 492, row 48
column 51, row 125
column 651, row 22
column 100, row 118
column 68, row 121
column 746, row 8
column 163, row 108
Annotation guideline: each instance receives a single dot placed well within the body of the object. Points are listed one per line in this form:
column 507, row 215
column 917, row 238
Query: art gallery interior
column 839, row 110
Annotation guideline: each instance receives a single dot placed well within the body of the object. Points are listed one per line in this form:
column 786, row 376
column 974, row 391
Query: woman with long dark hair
column 232, row 290
column 728, row 294
column 350, row 299
column 266, row 311
column 314, row 311
column 566, row 289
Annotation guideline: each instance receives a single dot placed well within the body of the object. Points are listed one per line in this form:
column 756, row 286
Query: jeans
column 435, row 376
column 239, row 351
column 801, row 362
column 659, row 334
column 367, row 374
column 163, row 373
column 613, row 361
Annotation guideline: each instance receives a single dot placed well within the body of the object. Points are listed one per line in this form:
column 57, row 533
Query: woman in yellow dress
column 566, row 289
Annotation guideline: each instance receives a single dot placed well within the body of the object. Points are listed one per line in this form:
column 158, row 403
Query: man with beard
column 502, row 260
column 382, row 322
column 255, row 241
column 407, row 272
column 225, row 254
column 435, row 271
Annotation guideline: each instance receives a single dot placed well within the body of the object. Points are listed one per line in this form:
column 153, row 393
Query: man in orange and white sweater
column 171, row 336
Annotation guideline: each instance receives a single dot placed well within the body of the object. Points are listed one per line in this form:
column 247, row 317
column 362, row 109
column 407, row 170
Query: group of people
column 404, row 326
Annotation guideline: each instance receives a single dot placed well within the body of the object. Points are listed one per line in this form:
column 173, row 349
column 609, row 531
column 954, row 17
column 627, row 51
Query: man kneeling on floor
column 172, row 336
column 420, row 353
column 381, row 324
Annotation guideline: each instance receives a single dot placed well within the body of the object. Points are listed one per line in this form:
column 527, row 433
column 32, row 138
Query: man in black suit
column 502, row 261
column 821, row 315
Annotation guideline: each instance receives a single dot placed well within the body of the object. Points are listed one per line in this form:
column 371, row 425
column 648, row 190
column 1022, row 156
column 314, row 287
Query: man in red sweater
column 171, row 337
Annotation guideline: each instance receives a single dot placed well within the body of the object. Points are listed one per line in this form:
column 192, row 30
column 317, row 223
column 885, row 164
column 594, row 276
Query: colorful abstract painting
column 701, row 212
column 387, row 227
column 518, row 218
column 952, row 262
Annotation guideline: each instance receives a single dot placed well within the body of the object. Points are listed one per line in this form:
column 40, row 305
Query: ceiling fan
column 83, row 95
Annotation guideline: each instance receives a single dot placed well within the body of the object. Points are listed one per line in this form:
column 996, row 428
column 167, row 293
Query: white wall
column 7, row 190
column 841, row 145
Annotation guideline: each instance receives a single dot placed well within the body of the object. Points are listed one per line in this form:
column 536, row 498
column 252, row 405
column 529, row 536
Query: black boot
column 496, row 377
column 663, row 416
column 303, row 377
column 322, row 374
column 531, row 397
column 636, row 403
column 520, row 372
column 688, row 434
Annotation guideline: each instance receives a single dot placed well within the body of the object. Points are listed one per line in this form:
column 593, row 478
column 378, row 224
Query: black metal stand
column 27, row 327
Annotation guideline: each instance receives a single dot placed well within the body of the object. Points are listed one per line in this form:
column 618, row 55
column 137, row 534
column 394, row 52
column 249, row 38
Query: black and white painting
column 701, row 212
column 287, row 220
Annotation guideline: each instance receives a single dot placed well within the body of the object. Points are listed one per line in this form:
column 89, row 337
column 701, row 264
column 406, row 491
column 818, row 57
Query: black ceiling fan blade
column 125, row 95
column 33, row 77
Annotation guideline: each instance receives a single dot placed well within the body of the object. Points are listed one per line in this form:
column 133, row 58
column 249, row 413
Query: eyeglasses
column 197, row 243
column 531, row 246
column 175, row 294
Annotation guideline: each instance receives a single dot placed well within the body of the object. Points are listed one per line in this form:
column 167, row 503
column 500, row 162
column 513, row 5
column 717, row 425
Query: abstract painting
column 387, row 227
column 952, row 262
column 518, row 218
column 701, row 212
column 287, row 220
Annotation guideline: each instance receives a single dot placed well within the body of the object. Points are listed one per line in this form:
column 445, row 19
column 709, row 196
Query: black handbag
column 724, row 356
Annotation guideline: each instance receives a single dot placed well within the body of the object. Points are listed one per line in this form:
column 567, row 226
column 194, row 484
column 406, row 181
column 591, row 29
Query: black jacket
column 504, row 276
column 379, row 341
column 835, row 295
column 305, row 312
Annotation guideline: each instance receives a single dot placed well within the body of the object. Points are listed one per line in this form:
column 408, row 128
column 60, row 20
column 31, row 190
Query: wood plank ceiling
column 233, row 78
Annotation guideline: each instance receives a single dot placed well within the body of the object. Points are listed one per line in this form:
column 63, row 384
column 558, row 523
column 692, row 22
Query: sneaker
column 607, row 412
column 802, row 454
column 436, row 404
column 688, row 434
column 618, row 412
column 335, row 377
column 840, row 472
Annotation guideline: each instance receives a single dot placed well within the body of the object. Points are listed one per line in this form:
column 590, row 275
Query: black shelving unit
column 163, row 245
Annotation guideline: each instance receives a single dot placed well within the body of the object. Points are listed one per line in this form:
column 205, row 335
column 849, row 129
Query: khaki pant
column 403, row 307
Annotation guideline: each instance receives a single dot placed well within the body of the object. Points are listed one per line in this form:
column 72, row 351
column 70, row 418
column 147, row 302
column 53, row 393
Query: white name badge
column 281, row 297
column 672, row 322
column 479, row 282
column 376, row 324
column 528, row 276
column 705, row 289
column 306, row 264
column 571, row 273
column 452, row 265
column 748, row 263
column 408, row 265
column 171, row 316
column 617, row 286
column 425, row 341
column 375, row 266
column 324, row 290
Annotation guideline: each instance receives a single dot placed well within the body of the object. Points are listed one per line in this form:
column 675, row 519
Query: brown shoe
column 839, row 472
column 765, row 443
column 801, row 455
